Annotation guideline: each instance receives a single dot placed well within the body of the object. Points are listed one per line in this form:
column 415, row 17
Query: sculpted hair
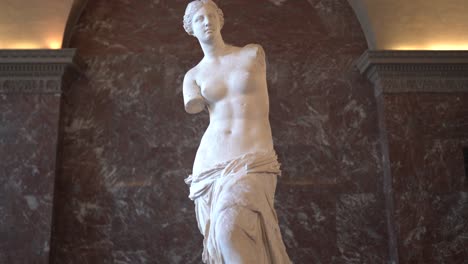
column 193, row 7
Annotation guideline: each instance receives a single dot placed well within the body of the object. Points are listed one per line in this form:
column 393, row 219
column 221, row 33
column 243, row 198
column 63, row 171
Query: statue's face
column 205, row 23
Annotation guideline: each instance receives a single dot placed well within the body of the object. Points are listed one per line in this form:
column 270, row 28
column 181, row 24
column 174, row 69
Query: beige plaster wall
column 33, row 24
column 414, row 24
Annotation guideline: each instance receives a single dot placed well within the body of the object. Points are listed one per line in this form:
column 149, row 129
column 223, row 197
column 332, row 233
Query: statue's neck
column 213, row 49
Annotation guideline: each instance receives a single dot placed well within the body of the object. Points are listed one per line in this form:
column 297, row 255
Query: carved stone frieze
column 37, row 71
column 16, row 85
column 416, row 71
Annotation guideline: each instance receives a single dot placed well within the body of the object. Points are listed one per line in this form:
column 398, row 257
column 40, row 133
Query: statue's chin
column 209, row 38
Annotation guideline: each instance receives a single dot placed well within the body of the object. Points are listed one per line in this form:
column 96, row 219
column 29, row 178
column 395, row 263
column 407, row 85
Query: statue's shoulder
column 257, row 49
column 192, row 73
column 191, row 77
column 257, row 52
column 253, row 46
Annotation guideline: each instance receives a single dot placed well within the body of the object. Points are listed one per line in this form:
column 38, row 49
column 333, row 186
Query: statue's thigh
column 239, row 236
column 202, row 213
column 239, row 221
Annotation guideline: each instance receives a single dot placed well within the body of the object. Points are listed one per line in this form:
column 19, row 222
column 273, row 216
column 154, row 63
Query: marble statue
column 235, row 170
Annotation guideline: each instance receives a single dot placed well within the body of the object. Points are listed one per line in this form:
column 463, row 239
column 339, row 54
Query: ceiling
column 387, row 24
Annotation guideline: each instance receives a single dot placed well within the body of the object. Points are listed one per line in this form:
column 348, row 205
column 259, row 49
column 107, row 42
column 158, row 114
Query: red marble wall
column 426, row 136
column 28, row 142
column 128, row 144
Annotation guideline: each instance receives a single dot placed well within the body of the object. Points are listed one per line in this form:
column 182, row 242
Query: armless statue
column 235, row 170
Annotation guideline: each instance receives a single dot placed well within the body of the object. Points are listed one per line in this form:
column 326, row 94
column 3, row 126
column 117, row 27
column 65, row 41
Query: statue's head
column 193, row 7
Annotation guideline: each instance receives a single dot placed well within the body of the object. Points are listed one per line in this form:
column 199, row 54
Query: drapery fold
column 240, row 194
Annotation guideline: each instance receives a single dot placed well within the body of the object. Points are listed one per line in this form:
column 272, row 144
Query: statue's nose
column 208, row 21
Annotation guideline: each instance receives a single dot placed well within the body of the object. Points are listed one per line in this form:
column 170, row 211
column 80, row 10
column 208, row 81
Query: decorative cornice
column 37, row 71
column 416, row 71
column 37, row 55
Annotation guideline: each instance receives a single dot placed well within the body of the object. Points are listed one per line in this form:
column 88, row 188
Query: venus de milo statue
column 235, row 170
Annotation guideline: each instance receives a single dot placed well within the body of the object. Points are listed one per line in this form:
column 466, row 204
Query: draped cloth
column 238, row 195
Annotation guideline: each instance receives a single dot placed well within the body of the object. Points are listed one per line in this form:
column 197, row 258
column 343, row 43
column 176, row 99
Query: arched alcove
column 128, row 144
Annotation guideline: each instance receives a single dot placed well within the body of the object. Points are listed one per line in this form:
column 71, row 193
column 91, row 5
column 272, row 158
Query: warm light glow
column 406, row 48
column 33, row 24
column 54, row 44
column 448, row 47
column 434, row 46
column 414, row 24
column 24, row 45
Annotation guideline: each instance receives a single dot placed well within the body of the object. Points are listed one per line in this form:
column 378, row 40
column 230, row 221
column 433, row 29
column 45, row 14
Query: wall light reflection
column 441, row 46
column 24, row 45
column 51, row 44
column 54, row 44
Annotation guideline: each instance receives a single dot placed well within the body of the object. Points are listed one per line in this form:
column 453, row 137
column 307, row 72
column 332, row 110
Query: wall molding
column 415, row 71
column 38, row 71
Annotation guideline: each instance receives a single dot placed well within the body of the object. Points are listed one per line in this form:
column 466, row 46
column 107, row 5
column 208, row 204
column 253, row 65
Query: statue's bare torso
column 233, row 87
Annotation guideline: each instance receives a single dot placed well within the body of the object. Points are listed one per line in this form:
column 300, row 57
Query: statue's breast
column 214, row 88
column 240, row 76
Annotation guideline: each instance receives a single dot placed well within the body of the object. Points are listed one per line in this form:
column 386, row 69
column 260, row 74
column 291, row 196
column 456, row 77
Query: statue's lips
column 209, row 30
